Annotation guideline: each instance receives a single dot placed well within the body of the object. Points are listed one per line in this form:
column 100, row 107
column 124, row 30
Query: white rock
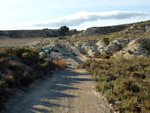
column 42, row 55
column 46, row 51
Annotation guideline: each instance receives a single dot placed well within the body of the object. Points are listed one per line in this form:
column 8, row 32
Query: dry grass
column 60, row 63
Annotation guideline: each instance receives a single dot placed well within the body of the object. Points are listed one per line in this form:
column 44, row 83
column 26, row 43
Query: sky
column 76, row 14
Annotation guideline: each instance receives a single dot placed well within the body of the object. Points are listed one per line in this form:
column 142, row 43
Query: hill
column 134, row 30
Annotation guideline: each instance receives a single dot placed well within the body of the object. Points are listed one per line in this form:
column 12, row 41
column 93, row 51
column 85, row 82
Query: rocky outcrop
column 118, row 48
column 134, row 48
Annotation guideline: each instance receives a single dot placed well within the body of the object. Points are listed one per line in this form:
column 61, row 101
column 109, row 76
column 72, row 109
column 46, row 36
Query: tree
column 63, row 30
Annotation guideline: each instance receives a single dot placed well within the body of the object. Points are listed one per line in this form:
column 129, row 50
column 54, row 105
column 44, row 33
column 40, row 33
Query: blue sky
column 76, row 14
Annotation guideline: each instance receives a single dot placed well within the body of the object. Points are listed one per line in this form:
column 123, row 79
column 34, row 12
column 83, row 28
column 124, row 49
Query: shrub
column 3, row 64
column 134, row 88
column 14, row 66
column 92, row 65
column 10, row 81
column 3, row 94
column 60, row 63
column 106, row 40
column 2, row 105
column 124, row 80
column 62, row 37
column 84, row 64
column 137, row 75
column 38, row 70
column 27, row 79
column 21, row 50
column 30, row 57
column 48, row 65
column 3, row 54
column 104, row 55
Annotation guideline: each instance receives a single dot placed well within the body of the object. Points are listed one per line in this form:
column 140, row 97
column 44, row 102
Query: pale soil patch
column 17, row 41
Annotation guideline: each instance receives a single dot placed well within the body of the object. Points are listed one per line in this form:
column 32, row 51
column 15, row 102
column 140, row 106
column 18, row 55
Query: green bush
column 106, row 40
column 29, row 57
column 48, row 65
column 21, row 50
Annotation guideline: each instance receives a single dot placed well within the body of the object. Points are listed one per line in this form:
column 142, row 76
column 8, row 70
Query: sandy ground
column 68, row 91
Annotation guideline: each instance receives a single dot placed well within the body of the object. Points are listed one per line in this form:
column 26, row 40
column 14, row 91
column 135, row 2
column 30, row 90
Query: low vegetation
column 19, row 67
column 123, row 82
column 106, row 40
column 61, row 37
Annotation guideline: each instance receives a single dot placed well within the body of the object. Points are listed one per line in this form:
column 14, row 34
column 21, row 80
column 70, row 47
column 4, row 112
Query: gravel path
column 68, row 91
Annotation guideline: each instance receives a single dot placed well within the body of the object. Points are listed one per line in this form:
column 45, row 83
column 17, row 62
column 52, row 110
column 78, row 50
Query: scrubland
column 123, row 82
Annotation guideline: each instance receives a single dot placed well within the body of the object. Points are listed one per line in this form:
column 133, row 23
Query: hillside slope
column 134, row 30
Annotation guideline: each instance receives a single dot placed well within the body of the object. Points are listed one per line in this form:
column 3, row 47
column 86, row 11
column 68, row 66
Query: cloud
column 82, row 17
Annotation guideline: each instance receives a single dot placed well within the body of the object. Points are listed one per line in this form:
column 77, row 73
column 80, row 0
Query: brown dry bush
column 60, row 63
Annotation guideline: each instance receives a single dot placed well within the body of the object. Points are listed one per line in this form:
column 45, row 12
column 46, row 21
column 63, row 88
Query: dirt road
column 68, row 91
